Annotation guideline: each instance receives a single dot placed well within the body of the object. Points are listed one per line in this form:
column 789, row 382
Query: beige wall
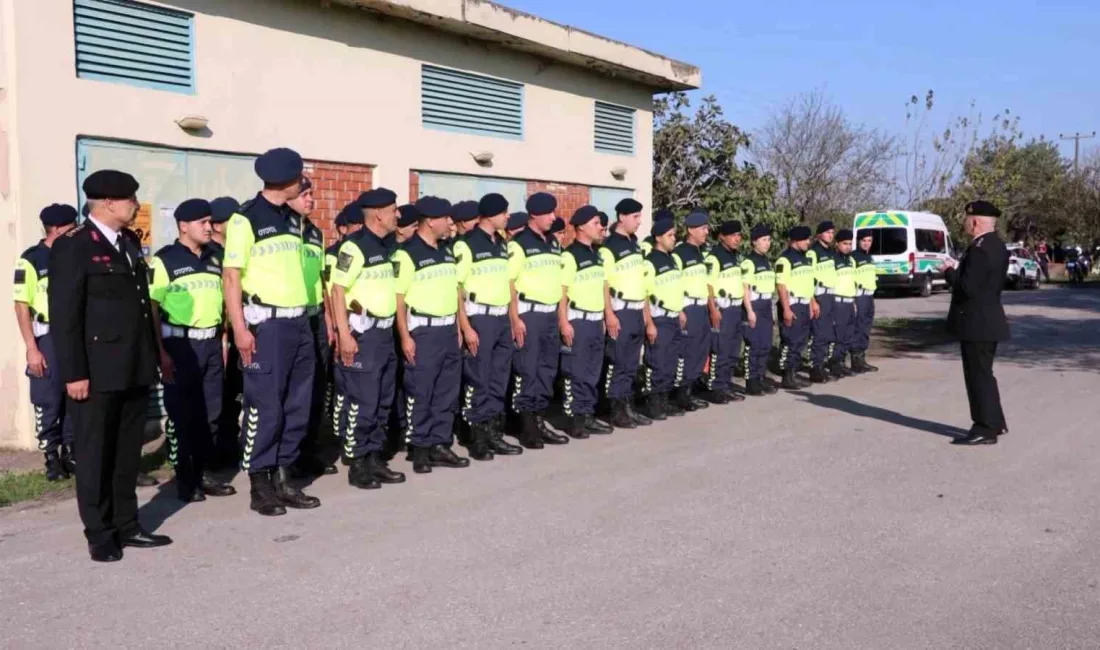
column 336, row 84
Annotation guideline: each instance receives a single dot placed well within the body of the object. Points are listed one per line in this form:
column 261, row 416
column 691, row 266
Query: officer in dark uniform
column 658, row 216
column 794, row 281
column 465, row 217
column 689, row 255
column 102, row 324
column 844, row 304
column 561, row 233
column 727, row 290
column 407, row 219
column 977, row 319
column 759, row 277
column 517, row 221
column 227, row 436
column 221, row 209
column 348, row 222
column 664, row 321
column 53, row 428
column 866, row 284
column 427, row 302
column 464, row 214
column 266, row 299
column 823, row 327
column 187, row 287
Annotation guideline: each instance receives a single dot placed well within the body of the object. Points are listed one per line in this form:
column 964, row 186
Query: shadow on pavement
column 161, row 507
column 852, row 407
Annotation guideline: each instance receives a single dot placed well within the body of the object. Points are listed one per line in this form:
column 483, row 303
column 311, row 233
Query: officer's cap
column 663, row 226
column 110, row 184
column 305, row 184
column 379, row 197
column 584, row 214
column 541, row 203
column 491, row 205
column 465, row 211
column 341, row 220
column 844, row 235
column 604, row 219
column 729, row 228
column 408, row 217
column 433, row 207
column 799, row 233
column 192, row 210
column 353, row 213
column 982, row 209
column 628, row 206
column 57, row 214
column 222, row 208
column 696, row 219
column 760, row 230
column 825, row 226
column 517, row 220
column 279, row 166
column 663, row 215
column 556, row 226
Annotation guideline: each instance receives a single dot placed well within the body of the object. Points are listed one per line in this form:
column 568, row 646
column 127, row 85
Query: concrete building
column 447, row 97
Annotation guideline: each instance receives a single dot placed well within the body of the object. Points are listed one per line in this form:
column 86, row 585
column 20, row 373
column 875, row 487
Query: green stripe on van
column 881, row 219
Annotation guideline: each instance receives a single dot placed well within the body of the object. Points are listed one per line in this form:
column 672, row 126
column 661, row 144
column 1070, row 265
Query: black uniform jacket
column 976, row 313
column 100, row 314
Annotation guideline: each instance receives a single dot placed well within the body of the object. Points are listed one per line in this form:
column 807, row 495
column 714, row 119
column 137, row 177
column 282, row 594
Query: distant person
column 978, row 320
column 1043, row 257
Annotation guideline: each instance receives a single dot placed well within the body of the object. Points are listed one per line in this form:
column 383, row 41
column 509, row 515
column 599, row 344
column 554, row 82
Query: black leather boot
column 529, row 435
column 291, row 496
column 54, row 470
column 818, row 376
column 497, row 442
column 263, row 496
column 656, row 406
column 838, row 369
column 211, row 487
column 575, row 428
column 790, row 382
column 755, row 388
column 640, row 419
column 479, row 442
column 620, row 416
column 442, row 456
column 684, row 400
column 715, row 397
column 859, row 363
column 672, row 408
column 381, row 471
column 359, row 474
column 596, row 427
column 547, row 435
column 68, row 461
column 419, row 457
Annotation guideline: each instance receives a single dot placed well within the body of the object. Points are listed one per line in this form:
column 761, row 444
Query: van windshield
column 888, row 241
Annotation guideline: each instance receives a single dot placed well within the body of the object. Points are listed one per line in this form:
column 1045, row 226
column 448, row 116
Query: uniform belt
column 580, row 314
column 314, row 310
column 844, row 299
column 864, row 292
column 40, row 329
column 478, row 309
column 525, row 306
column 661, row 312
column 694, row 302
column 761, row 296
column 822, row 291
column 726, row 303
column 618, row 304
column 430, row 321
column 799, row 301
column 362, row 322
column 256, row 314
column 194, row 333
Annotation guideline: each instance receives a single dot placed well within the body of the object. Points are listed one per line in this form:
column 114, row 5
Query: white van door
column 931, row 253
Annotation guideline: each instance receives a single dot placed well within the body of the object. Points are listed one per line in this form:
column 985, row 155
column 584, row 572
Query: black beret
column 341, row 220
column 464, row 211
column 110, row 184
column 517, row 220
column 628, row 206
column 556, row 226
column 760, row 230
column 192, row 210
column 696, row 219
column 844, row 235
column 663, row 215
column 799, row 233
column 222, row 208
column 408, row 217
column 982, row 209
column 541, row 203
column 279, row 166
column 305, row 184
column 825, row 226
column 584, row 214
column 57, row 214
column 729, row 228
column 604, row 219
column 663, row 226
column 353, row 213
column 491, row 205
column 379, row 197
column 433, row 207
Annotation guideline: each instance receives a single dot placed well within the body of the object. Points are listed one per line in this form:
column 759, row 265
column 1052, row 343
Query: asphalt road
column 838, row 517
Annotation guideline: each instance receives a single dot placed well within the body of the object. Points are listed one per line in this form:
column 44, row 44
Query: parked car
column 1023, row 268
column 909, row 249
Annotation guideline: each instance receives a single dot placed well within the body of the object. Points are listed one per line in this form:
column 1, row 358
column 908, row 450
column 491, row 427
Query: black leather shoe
column 497, row 443
column 640, row 419
column 145, row 480
column 975, row 439
column 381, row 471
column 735, row 395
column 838, row 369
column 479, row 442
column 262, row 494
column 68, row 461
column 291, row 496
column 419, row 457
column 595, row 427
column 189, row 494
column 359, row 475
column 859, row 363
column 141, row 538
column 548, row 435
column 105, row 552
column 684, row 401
column 213, row 488
column 657, row 407
column 442, row 456
column 529, row 435
column 620, row 416
column 770, row 387
column 716, row 397
column 672, row 408
column 575, row 428
column 54, row 470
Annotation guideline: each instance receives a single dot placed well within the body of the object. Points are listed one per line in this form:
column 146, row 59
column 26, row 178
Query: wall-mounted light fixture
column 192, row 123
column 482, row 158
column 618, row 172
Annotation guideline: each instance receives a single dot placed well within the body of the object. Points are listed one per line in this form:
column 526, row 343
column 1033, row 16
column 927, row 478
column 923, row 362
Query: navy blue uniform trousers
column 322, row 360
column 844, row 315
column 194, row 405
column 865, row 319
column 368, row 385
column 793, row 339
column 535, row 365
column 696, row 345
column 431, row 386
column 725, row 347
column 823, row 331
column 52, row 427
column 758, row 340
column 663, row 365
column 580, row 367
column 624, row 354
column 278, row 390
column 486, row 373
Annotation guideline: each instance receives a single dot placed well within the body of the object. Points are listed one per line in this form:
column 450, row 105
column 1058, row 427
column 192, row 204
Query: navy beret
column 491, row 205
column 584, row 214
column 465, row 211
column 760, row 230
column 353, row 213
column 628, row 206
column 305, row 184
column 541, row 203
column 663, row 226
column 57, row 214
column 663, row 215
column 844, row 235
column 982, row 209
column 604, row 219
column 222, row 208
column 192, row 210
column 696, row 219
column 729, row 228
column 433, row 207
column 825, row 226
column 799, row 233
column 279, row 166
column 341, row 220
column 408, row 217
column 557, row 225
column 110, row 184
column 379, row 197
column 517, row 220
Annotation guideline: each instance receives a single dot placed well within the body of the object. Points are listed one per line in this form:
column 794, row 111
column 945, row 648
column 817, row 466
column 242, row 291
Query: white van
column 908, row 248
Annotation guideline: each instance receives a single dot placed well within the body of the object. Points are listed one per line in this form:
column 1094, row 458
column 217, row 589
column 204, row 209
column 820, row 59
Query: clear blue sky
column 871, row 56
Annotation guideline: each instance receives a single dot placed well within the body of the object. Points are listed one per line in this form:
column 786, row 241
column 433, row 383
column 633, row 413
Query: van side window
column 931, row 241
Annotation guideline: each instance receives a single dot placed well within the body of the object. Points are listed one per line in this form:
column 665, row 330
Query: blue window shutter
column 461, row 101
column 130, row 42
column 614, row 129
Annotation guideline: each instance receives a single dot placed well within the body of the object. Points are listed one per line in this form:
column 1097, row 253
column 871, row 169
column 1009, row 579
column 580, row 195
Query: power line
column 1077, row 138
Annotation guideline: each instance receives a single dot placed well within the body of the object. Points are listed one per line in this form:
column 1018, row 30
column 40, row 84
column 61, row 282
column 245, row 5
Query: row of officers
column 412, row 329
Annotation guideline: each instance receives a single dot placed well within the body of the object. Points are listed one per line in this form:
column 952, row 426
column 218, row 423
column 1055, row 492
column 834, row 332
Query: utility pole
column 1077, row 138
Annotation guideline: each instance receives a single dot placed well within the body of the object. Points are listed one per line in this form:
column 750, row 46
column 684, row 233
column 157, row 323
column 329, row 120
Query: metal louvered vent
column 460, row 101
column 614, row 129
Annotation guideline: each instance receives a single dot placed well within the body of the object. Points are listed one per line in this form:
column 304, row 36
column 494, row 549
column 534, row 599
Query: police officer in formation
column 696, row 345
column 866, row 284
column 227, row 451
column 664, row 323
column 727, row 289
column 759, row 278
column 823, row 326
column 844, row 309
column 794, row 281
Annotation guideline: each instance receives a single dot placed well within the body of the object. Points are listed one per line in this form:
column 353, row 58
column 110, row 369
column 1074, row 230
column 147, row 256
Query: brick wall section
column 334, row 186
column 570, row 197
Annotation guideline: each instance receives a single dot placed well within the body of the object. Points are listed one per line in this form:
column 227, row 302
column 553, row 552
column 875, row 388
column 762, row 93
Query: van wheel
column 926, row 287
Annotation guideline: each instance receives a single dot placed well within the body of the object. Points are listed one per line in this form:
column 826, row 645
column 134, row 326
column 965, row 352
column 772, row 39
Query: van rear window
column 887, row 241
column 931, row 241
